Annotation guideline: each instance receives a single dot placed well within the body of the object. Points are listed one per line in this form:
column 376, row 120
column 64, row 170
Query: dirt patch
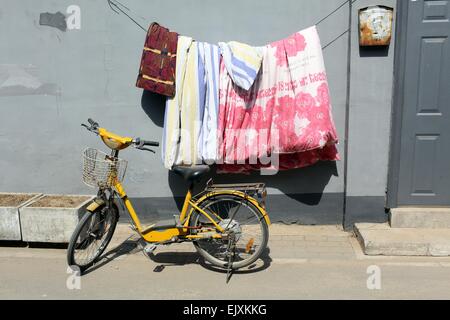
column 59, row 201
column 14, row 199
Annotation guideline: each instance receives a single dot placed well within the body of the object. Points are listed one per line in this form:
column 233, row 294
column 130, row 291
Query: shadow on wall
column 153, row 105
column 376, row 51
column 301, row 199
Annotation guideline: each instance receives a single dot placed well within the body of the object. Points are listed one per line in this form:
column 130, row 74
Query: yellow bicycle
column 228, row 224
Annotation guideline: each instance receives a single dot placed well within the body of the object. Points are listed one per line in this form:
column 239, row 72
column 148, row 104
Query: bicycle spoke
column 92, row 238
column 238, row 217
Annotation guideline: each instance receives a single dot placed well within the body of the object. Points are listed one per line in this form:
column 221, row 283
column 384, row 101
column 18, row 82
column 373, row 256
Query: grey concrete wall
column 371, row 83
column 62, row 78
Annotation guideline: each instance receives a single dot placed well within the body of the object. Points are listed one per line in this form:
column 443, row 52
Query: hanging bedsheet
column 208, row 76
column 182, row 116
column 286, row 113
column 190, row 122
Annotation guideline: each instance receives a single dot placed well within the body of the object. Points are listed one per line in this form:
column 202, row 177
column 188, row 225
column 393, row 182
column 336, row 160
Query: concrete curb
column 10, row 226
column 380, row 239
column 423, row 218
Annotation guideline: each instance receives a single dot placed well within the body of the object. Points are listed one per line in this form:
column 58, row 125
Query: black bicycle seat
column 191, row 174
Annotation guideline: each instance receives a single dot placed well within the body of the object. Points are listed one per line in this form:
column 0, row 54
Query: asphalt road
column 27, row 273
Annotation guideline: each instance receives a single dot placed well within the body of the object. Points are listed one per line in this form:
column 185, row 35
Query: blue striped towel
column 242, row 62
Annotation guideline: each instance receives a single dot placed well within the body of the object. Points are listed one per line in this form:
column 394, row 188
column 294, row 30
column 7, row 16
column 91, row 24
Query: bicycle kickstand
column 231, row 254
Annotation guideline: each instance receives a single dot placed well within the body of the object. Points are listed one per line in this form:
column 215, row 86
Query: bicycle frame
column 181, row 232
column 155, row 236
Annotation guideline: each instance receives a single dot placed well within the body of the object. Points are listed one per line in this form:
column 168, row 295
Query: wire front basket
column 100, row 170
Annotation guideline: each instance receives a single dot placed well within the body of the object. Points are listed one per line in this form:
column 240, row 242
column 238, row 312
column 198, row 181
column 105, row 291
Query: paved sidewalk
column 310, row 242
column 286, row 243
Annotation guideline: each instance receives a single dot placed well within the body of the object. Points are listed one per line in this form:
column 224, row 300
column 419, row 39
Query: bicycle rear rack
column 255, row 190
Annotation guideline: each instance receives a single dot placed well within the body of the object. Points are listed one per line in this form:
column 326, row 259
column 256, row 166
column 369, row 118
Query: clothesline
column 333, row 12
column 117, row 5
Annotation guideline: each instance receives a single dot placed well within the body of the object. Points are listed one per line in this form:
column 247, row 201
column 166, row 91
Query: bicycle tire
column 258, row 215
column 111, row 211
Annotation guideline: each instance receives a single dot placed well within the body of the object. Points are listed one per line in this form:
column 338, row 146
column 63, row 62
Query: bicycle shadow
column 127, row 247
column 170, row 259
column 165, row 259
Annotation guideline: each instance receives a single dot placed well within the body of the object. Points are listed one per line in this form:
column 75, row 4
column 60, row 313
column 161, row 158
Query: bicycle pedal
column 150, row 248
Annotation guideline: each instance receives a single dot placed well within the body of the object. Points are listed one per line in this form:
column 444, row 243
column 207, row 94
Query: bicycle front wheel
column 236, row 214
column 91, row 237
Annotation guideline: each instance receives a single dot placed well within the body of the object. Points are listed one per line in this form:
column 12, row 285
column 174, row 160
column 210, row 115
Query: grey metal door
column 424, row 160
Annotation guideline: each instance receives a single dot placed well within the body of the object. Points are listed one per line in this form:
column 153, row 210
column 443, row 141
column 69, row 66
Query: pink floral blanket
column 284, row 121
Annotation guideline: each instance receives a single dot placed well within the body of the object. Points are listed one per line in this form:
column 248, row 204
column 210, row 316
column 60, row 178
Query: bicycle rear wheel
column 238, row 215
column 91, row 237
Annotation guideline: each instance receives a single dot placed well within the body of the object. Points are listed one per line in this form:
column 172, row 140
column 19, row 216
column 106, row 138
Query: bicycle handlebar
column 152, row 143
column 92, row 123
column 93, row 127
column 138, row 142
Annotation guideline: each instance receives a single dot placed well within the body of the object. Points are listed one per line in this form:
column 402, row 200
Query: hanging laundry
column 157, row 69
column 209, row 62
column 182, row 121
column 287, row 112
column 242, row 62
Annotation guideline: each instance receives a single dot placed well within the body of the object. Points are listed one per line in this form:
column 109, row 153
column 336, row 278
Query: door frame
column 397, row 104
